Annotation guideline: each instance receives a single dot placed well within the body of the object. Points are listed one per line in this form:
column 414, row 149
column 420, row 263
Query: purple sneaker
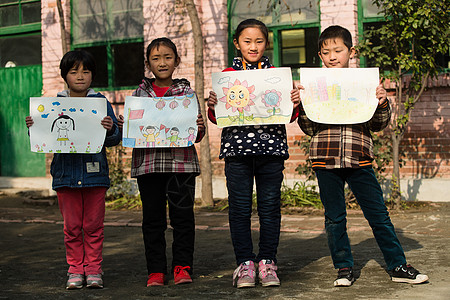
column 267, row 274
column 244, row 275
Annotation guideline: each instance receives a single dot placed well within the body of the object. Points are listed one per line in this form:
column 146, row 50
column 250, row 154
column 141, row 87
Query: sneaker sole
column 183, row 281
column 271, row 283
column 155, row 284
column 94, row 286
column 420, row 279
column 343, row 283
column 245, row 285
column 74, row 287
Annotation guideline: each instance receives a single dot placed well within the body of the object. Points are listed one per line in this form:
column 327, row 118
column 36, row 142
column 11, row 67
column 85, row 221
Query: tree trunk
column 62, row 26
column 396, row 196
column 205, row 154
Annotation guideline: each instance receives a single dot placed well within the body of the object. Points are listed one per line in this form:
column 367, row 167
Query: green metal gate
column 18, row 84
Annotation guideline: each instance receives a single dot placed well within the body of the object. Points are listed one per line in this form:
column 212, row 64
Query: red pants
column 83, row 210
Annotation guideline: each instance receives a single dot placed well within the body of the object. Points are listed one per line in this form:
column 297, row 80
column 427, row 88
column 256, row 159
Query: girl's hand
column 29, row 121
column 120, row 121
column 200, row 123
column 381, row 94
column 212, row 100
column 295, row 97
column 107, row 123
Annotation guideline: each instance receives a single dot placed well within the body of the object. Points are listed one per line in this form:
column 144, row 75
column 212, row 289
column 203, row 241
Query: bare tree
column 62, row 26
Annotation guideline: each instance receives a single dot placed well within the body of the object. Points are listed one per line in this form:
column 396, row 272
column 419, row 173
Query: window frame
column 20, row 28
column 276, row 31
column 109, row 53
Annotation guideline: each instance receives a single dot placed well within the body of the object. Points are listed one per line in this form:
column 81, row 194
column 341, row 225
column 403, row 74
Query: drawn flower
column 160, row 104
column 186, row 102
column 271, row 98
column 173, row 104
column 238, row 96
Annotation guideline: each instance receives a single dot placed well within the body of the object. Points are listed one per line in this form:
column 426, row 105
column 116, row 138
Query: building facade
column 117, row 32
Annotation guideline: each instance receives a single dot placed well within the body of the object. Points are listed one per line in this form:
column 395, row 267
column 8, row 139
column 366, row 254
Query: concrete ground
column 32, row 260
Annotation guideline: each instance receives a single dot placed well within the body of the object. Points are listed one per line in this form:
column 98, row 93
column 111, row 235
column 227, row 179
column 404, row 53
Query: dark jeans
column 268, row 174
column 367, row 191
column 153, row 189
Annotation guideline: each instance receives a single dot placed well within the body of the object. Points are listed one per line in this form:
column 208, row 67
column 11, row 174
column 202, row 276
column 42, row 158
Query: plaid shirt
column 165, row 160
column 343, row 146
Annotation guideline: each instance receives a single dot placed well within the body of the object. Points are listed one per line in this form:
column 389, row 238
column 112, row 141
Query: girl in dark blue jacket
column 81, row 181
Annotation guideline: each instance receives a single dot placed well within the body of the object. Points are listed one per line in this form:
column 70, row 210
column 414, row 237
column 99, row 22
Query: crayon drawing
column 339, row 96
column 253, row 97
column 160, row 122
column 67, row 125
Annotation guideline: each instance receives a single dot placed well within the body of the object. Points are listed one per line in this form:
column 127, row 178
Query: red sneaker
column 155, row 279
column 180, row 275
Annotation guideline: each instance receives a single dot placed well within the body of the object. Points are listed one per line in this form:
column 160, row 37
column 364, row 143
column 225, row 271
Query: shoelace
column 244, row 270
column 268, row 270
column 178, row 269
column 407, row 269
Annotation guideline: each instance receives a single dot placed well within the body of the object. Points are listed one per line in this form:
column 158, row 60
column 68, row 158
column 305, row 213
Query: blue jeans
column 268, row 174
column 367, row 191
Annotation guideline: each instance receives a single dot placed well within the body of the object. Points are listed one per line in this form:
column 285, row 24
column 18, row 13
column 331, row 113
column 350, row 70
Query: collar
column 240, row 64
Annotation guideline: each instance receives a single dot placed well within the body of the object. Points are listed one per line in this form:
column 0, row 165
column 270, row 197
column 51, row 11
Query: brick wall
column 426, row 143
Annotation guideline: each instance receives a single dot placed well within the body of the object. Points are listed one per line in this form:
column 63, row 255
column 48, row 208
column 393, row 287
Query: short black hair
column 73, row 59
column 334, row 32
column 161, row 41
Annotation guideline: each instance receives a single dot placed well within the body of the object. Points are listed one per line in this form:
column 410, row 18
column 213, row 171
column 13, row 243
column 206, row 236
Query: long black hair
column 63, row 117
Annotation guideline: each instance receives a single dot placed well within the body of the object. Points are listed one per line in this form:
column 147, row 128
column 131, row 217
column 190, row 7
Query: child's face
column 162, row 62
column 334, row 53
column 63, row 123
column 79, row 80
column 252, row 43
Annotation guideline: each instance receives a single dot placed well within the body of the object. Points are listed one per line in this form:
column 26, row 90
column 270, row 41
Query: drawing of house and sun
column 339, row 96
column 67, row 124
column 253, row 97
column 160, row 122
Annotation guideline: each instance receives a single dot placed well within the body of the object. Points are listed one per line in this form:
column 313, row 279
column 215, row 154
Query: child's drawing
column 339, row 96
column 160, row 122
column 63, row 124
column 54, row 129
column 253, row 97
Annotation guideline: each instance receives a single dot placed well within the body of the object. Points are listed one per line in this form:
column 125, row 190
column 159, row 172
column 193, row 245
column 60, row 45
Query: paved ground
column 32, row 260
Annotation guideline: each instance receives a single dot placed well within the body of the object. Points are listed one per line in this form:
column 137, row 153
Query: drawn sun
column 238, row 96
column 40, row 108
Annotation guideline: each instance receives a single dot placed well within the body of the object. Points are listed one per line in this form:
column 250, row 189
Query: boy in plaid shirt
column 344, row 153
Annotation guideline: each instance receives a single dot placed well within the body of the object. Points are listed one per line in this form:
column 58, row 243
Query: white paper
column 253, row 97
column 160, row 122
column 339, row 95
column 67, row 124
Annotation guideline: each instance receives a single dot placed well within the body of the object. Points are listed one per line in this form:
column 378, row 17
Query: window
column 293, row 31
column 20, row 33
column 113, row 32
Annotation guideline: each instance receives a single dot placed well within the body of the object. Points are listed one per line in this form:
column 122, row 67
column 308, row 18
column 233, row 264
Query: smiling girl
column 253, row 153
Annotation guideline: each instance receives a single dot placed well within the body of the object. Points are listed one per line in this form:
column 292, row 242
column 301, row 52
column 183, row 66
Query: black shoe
column 406, row 273
column 345, row 277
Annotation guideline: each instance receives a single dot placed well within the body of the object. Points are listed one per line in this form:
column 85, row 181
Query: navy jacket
column 85, row 170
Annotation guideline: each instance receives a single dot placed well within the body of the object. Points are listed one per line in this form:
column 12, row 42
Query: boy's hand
column 212, row 100
column 29, row 121
column 200, row 123
column 107, row 123
column 295, row 97
column 381, row 94
column 120, row 121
